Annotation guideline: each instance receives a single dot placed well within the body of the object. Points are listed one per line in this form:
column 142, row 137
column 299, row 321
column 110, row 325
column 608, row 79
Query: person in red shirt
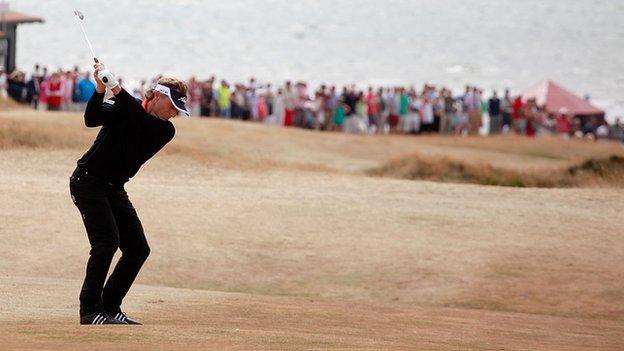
column 517, row 117
column 373, row 104
column 43, row 91
column 562, row 123
column 54, row 93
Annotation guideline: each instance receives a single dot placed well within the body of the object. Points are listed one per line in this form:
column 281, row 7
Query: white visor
column 177, row 99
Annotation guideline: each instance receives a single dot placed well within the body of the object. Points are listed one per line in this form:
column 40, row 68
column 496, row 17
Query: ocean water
column 491, row 43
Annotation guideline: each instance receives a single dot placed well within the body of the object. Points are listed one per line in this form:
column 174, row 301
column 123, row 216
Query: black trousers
column 111, row 222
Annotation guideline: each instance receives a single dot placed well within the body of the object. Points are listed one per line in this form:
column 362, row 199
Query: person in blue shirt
column 83, row 91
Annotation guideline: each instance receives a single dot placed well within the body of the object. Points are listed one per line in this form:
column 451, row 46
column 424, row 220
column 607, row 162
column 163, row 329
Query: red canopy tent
column 553, row 98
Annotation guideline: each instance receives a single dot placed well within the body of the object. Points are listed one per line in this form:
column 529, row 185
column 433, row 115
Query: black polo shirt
column 128, row 138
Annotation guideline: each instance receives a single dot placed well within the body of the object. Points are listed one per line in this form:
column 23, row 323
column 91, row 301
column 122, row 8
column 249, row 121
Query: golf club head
column 79, row 14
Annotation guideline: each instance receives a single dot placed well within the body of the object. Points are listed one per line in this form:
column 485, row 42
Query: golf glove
column 107, row 78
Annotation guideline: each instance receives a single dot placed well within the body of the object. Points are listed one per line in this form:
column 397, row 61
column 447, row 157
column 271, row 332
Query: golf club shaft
column 104, row 75
column 88, row 42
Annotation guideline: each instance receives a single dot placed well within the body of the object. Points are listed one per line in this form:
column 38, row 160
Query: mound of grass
column 609, row 171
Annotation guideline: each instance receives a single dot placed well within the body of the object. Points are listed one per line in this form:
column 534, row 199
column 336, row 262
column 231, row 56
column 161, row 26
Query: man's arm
column 98, row 112
column 123, row 98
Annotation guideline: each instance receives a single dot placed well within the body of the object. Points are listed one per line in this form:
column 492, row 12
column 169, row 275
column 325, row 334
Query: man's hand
column 101, row 86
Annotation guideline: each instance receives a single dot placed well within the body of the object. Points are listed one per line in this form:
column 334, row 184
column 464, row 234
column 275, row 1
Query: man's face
column 162, row 107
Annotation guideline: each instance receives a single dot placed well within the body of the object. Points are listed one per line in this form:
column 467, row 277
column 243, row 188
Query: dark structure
column 8, row 36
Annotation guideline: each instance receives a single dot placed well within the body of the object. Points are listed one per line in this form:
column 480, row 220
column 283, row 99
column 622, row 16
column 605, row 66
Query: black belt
column 81, row 171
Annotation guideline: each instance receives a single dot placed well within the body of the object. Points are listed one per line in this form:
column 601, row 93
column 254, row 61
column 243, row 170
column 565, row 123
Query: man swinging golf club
column 131, row 133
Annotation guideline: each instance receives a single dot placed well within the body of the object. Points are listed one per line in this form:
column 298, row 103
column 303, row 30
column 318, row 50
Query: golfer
column 132, row 132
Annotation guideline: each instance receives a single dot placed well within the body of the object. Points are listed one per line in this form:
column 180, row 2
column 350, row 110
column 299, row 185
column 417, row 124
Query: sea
column 493, row 44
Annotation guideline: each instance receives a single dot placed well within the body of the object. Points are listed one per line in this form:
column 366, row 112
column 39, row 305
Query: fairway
column 270, row 238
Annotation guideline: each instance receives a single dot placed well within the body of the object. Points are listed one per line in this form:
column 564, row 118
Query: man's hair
column 172, row 83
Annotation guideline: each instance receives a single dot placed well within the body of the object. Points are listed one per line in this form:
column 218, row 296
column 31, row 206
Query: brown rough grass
column 26, row 134
column 592, row 172
column 510, row 160
column 9, row 104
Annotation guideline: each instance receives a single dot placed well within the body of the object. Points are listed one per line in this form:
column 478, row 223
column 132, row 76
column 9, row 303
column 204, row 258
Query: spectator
column 589, row 128
column 289, row 104
column 392, row 103
column 16, row 87
column 84, row 89
column 446, row 126
column 68, row 84
column 411, row 124
column 603, row 131
column 3, row 83
column 506, row 111
column 331, row 103
column 518, row 119
column 139, row 91
column 426, row 113
column 43, row 89
column 301, row 97
column 33, row 87
column 251, row 101
column 277, row 118
column 529, row 113
column 372, row 103
column 460, row 119
column 207, row 104
column 563, row 126
column 494, row 105
column 262, row 110
column 269, row 98
column 194, row 96
column 224, row 100
column 54, row 92
column 472, row 107
column 340, row 114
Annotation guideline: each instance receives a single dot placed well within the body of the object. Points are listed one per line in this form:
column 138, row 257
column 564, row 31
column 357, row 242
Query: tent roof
column 17, row 17
column 553, row 97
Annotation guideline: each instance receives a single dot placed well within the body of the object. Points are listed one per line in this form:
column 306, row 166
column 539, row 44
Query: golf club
column 105, row 75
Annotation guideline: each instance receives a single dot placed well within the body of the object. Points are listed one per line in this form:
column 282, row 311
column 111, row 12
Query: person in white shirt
column 279, row 103
column 411, row 124
column 3, row 83
column 427, row 114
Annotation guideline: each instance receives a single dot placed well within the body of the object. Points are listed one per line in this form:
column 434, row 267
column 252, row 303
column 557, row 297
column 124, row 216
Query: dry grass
column 547, row 147
column 9, row 104
column 182, row 319
column 26, row 134
column 326, row 258
column 599, row 171
column 592, row 172
column 250, row 146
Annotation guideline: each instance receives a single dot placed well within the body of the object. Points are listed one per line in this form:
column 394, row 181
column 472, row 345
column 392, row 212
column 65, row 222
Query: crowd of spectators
column 350, row 109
